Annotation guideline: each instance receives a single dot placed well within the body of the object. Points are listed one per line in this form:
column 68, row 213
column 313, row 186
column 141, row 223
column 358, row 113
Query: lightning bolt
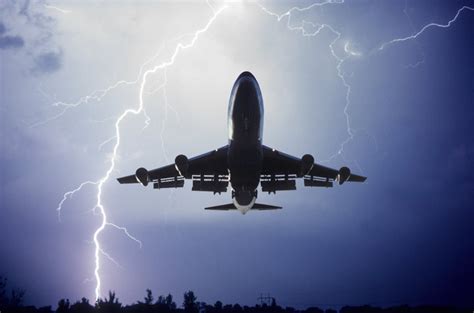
column 424, row 28
column 422, row 53
column 302, row 28
column 349, row 52
column 97, row 96
column 64, row 11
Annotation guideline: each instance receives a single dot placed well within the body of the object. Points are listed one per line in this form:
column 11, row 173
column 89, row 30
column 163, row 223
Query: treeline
column 12, row 302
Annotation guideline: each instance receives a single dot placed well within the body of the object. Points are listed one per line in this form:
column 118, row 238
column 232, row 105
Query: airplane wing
column 280, row 169
column 208, row 172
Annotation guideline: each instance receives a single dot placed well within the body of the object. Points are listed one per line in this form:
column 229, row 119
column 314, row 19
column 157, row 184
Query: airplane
column 244, row 162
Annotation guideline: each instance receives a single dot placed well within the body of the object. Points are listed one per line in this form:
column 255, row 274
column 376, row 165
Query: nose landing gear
column 255, row 193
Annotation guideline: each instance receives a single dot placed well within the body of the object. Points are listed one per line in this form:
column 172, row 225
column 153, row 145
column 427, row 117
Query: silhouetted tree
column 110, row 305
column 165, row 304
column 11, row 301
column 44, row 309
column 360, row 309
column 148, row 306
column 189, row 302
column 161, row 300
column 82, row 306
column 398, row 309
column 3, row 293
column 63, row 306
column 16, row 298
column 14, row 303
column 274, row 304
column 149, row 297
column 170, row 303
column 218, row 306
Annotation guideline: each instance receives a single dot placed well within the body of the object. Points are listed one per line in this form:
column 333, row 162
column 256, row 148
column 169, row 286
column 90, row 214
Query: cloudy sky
column 342, row 81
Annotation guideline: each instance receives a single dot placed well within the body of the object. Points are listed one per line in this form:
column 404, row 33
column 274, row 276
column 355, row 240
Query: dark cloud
column 48, row 62
column 25, row 8
column 11, row 42
column 41, row 51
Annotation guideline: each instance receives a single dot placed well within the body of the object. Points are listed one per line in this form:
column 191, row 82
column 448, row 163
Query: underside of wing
column 280, row 170
column 208, row 172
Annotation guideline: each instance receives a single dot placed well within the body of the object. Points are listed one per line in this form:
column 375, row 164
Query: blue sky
column 405, row 236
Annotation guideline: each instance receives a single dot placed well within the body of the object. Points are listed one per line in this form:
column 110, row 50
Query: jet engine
column 142, row 176
column 344, row 174
column 307, row 162
column 181, row 164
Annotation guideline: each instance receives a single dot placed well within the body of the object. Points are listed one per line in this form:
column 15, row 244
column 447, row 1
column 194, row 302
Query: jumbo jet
column 244, row 162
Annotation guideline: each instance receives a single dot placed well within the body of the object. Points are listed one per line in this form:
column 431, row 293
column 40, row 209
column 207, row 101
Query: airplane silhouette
column 244, row 162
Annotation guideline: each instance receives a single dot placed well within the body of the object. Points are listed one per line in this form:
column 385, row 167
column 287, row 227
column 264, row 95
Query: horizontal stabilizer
column 357, row 178
column 231, row 206
column 261, row 206
column 132, row 179
column 224, row 207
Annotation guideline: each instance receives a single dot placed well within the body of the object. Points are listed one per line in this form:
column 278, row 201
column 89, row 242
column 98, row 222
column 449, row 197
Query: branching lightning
column 97, row 96
column 71, row 193
column 424, row 28
column 141, row 80
column 339, row 60
column 302, row 28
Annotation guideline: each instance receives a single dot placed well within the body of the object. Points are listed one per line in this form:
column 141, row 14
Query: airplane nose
column 247, row 75
column 246, row 84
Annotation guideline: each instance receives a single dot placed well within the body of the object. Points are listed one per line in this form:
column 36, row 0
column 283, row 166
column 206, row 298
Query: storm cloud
column 27, row 29
column 47, row 62
column 9, row 42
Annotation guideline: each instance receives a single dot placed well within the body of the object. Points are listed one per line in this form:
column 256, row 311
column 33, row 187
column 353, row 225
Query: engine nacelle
column 344, row 174
column 181, row 164
column 142, row 176
column 307, row 162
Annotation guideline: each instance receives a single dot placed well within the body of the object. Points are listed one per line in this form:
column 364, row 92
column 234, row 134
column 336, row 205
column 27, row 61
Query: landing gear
column 255, row 193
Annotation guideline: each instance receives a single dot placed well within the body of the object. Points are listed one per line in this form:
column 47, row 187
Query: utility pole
column 265, row 299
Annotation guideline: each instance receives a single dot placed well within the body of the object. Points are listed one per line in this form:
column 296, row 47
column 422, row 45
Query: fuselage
column 244, row 159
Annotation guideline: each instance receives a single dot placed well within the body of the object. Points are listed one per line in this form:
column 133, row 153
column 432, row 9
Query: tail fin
column 231, row 206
